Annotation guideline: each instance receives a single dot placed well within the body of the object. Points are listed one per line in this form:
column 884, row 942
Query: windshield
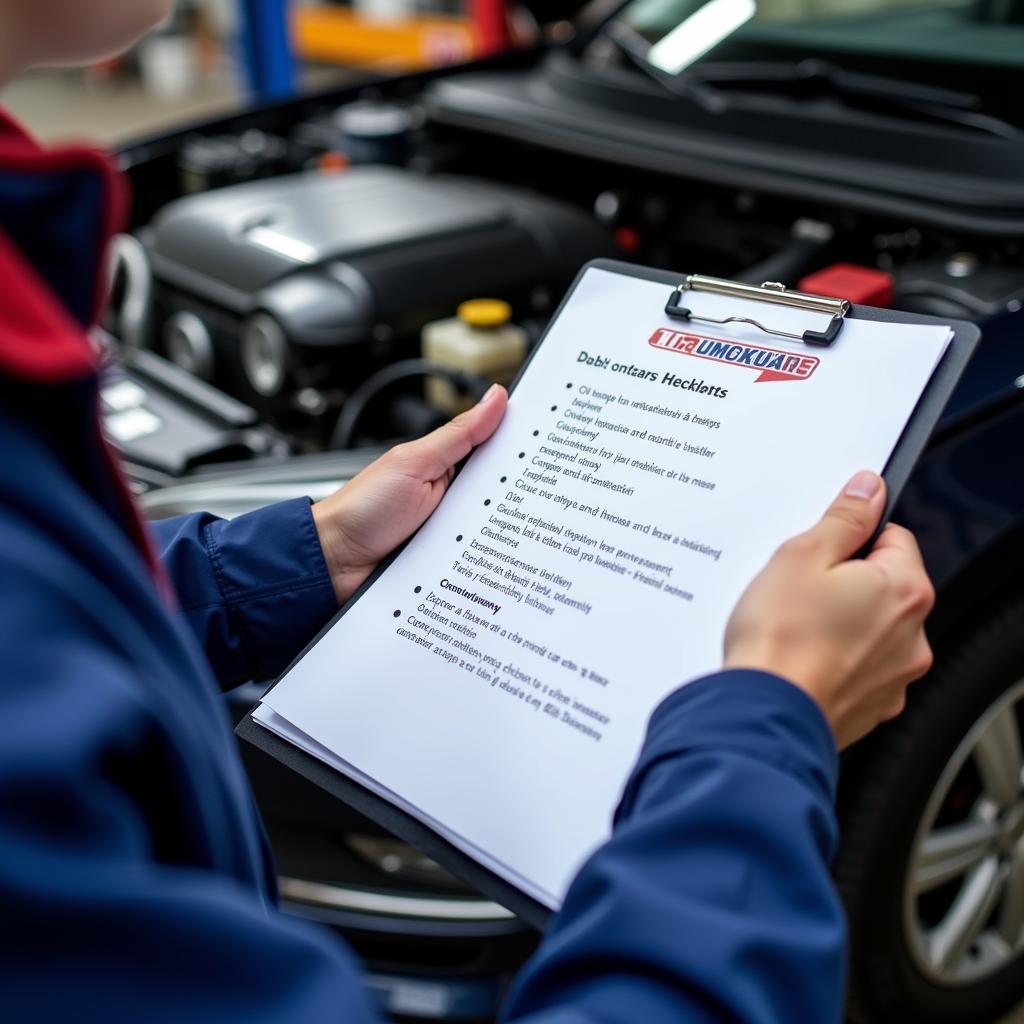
column 987, row 32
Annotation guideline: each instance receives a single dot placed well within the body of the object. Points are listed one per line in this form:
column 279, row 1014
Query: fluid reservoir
column 480, row 340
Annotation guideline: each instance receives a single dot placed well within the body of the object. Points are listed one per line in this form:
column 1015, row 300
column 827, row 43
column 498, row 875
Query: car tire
column 904, row 965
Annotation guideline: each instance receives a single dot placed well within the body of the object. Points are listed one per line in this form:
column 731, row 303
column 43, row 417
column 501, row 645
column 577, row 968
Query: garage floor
column 58, row 106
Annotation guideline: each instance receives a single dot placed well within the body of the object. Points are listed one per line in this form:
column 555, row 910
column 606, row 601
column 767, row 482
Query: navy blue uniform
column 134, row 880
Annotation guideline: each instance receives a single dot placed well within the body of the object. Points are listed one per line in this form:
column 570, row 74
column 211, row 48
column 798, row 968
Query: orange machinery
column 340, row 35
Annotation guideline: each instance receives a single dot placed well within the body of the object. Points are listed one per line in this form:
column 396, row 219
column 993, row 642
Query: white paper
column 511, row 729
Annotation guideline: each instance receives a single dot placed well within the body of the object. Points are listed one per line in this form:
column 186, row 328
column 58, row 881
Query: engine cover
column 334, row 271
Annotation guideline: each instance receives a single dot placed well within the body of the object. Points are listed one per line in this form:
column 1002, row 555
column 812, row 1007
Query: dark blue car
column 885, row 145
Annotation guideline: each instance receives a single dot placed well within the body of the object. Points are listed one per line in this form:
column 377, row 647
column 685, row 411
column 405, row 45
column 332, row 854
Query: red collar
column 59, row 209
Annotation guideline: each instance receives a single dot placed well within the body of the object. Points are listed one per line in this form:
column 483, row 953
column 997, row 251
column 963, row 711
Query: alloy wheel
column 963, row 903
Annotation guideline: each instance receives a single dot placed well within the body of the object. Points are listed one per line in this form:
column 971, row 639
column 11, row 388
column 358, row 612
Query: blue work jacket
column 135, row 885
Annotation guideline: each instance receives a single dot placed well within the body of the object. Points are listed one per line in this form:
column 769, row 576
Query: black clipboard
column 897, row 471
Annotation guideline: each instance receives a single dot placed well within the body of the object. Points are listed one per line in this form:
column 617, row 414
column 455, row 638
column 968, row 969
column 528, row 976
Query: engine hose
column 796, row 258
column 354, row 409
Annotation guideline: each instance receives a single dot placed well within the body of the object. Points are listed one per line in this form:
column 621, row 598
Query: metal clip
column 771, row 292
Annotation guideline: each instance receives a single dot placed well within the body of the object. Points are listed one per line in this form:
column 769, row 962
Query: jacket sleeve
column 96, row 926
column 254, row 590
column 712, row 901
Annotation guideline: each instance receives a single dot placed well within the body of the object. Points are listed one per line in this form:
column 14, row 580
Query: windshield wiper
column 709, row 85
column 633, row 45
column 593, row 20
column 818, row 78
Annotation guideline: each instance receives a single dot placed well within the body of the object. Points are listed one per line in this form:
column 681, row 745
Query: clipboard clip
column 769, row 292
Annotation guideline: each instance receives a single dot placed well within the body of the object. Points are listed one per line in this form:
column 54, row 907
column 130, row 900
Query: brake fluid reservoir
column 480, row 340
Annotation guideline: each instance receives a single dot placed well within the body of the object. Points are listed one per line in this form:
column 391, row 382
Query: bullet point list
column 536, row 432
column 487, row 502
column 416, row 590
column 459, row 537
column 554, row 408
column 503, row 479
column 568, row 385
column 522, row 455
column 398, row 611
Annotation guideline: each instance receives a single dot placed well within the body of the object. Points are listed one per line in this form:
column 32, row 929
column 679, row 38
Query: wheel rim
column 963, row 901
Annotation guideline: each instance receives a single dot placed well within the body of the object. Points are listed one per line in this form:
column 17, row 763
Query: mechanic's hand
column 386, row 503
column 847, row 632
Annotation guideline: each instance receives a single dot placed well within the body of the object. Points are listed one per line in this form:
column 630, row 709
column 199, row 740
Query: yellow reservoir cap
column 485, row 312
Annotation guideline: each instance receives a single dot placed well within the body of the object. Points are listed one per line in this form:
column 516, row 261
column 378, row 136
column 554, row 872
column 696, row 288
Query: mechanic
column 135, row 883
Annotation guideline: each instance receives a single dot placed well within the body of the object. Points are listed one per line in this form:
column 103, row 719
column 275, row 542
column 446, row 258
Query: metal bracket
column 771, row 292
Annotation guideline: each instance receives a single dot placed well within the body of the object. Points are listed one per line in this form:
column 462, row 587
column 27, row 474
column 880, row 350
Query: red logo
column 774, row 363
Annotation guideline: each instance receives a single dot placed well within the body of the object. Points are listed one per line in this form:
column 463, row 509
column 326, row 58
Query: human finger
column 850, row 520
column 434, row 455
column 897, row 553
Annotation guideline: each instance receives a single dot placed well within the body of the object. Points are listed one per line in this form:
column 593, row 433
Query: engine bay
column 311, row 264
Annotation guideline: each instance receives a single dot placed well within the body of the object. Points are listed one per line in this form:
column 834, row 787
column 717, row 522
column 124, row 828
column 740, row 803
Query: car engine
column 296, row 271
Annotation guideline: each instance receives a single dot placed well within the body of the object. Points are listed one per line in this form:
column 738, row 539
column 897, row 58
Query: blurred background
column 201, row 63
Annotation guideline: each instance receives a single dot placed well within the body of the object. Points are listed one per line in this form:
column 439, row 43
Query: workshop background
column 437, row 950
column 217, row 54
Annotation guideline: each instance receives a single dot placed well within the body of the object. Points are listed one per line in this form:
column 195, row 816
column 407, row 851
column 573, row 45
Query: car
column 284, row 262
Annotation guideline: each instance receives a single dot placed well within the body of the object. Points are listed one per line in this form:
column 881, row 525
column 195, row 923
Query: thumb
column 433, row 456
column 852, row 518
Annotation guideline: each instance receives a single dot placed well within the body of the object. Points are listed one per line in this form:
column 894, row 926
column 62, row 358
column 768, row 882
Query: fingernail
column 490, row 393
column 864, row 484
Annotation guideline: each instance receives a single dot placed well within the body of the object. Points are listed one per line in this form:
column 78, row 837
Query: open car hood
column 940, row 174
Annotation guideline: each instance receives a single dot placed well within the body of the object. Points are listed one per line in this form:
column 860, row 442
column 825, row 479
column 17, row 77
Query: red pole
column 490, row 25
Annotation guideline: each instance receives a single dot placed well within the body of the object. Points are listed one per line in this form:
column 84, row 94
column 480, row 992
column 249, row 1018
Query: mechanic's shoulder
column 40, row 494
column 36, row 571
column 40, row 530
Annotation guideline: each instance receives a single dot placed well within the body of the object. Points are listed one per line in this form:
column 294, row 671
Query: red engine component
column 863, row 285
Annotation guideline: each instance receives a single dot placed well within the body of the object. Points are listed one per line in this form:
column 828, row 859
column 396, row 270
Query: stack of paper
column 495, row 681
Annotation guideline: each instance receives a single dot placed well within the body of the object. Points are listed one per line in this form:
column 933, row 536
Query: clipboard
column 897, row 471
